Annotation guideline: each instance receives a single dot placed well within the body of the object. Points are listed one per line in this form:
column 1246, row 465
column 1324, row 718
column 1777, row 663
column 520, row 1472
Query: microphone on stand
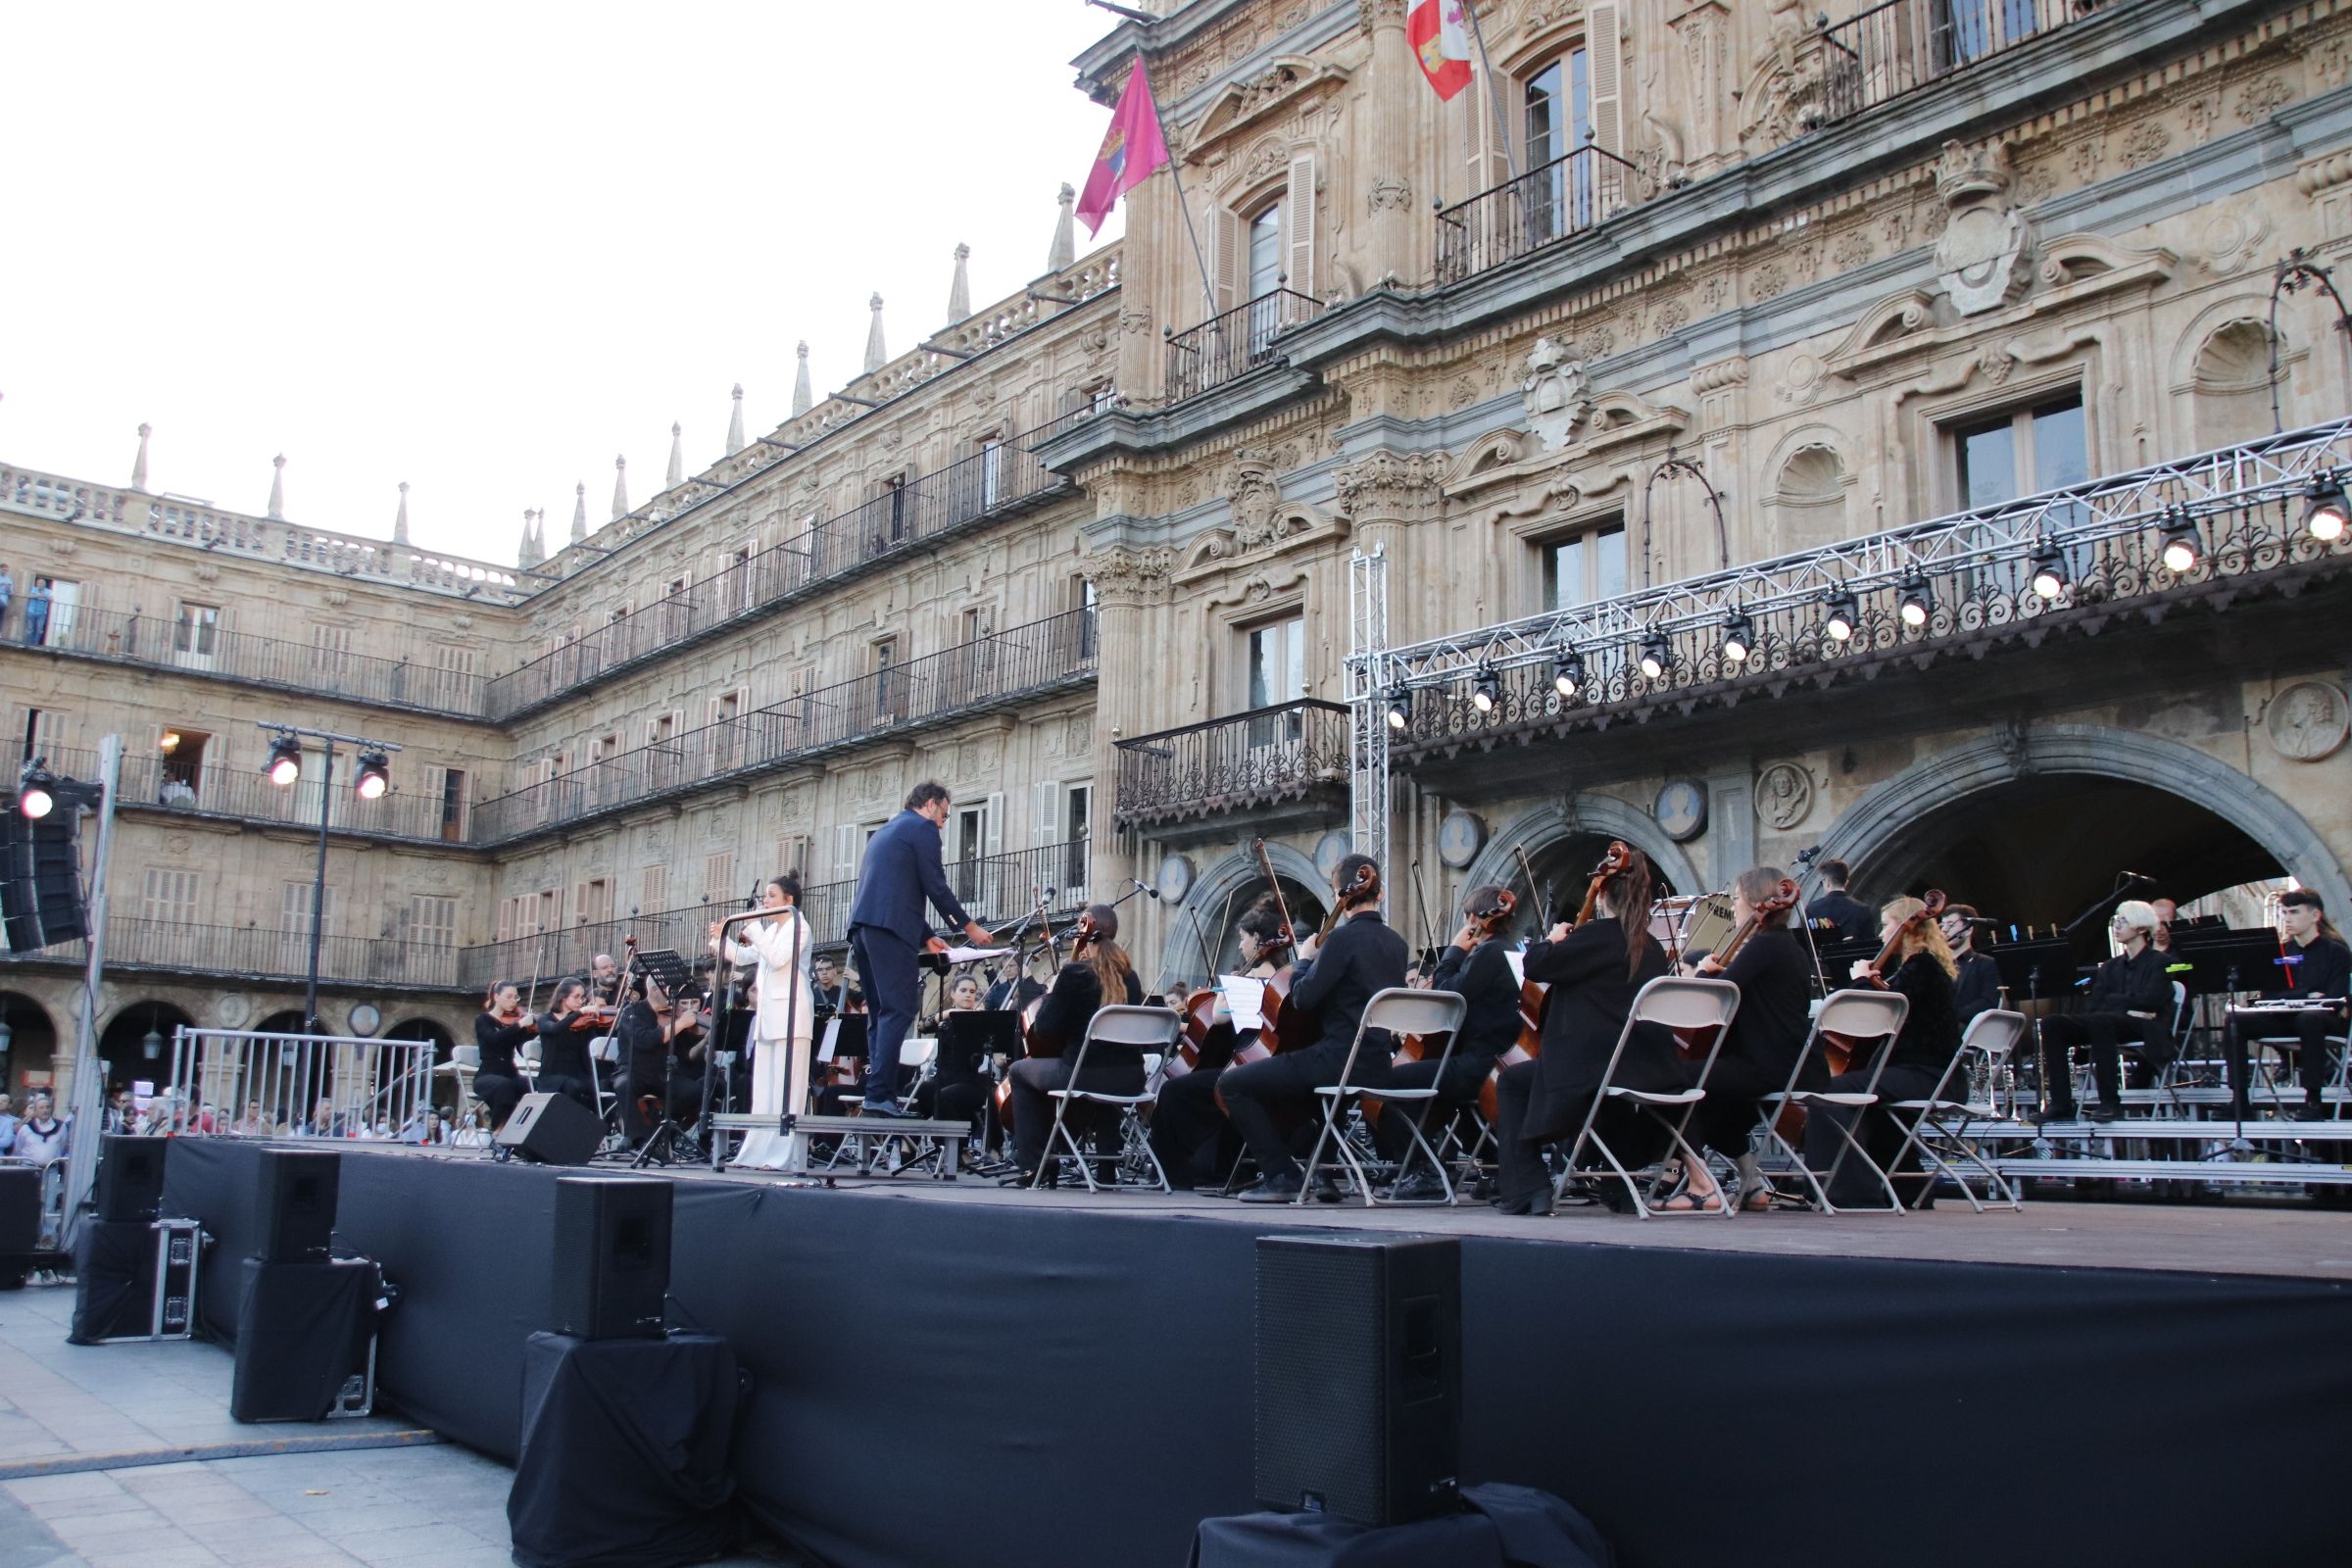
column 2140, row 877
column 1145, row 886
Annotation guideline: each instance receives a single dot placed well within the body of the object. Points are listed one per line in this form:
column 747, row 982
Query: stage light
column 2325, row 518
column 1738, row 637
column 374, row 775
column 2050, row 570
column 1401, row 707
column 1656, row 654
column 285, row 760
column 1917, row 602
column 1568, row 672
column 1485, row 689
column 1838, row 619
column 35, row 798
column 2184, row 544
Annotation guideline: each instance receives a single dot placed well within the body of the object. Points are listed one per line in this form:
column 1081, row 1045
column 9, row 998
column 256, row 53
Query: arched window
column 1266, row 250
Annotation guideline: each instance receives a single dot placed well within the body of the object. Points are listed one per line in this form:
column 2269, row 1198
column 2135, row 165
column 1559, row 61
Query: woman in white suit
column 778, row 942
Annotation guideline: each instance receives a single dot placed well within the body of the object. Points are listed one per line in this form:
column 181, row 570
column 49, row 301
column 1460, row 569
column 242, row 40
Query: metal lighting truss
column 1367, row 688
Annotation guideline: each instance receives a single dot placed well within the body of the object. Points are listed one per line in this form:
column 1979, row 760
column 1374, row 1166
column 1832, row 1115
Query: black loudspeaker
column 130, row 1177
column 552, row 1129
column 298, row 1198
column 56, row 877
column 1359, row 1375
column 305, row 1339
column 612, row 1257
column 21, row 914
column 20, row 1223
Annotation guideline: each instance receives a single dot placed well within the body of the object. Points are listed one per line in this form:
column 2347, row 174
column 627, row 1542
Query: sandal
column 1686, row 1202
column 1756, row 1199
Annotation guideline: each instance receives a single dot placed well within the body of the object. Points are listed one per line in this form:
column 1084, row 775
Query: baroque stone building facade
column 1689, row 321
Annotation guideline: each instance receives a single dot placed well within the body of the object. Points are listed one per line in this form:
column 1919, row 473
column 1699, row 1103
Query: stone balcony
column 1253, row 762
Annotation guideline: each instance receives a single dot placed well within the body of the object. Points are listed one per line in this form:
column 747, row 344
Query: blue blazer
column 902, row 868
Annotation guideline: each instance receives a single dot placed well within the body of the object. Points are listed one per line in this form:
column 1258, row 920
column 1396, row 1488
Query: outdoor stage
column 951, row 1372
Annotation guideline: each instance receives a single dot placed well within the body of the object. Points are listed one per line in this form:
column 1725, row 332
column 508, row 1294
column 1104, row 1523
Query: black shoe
column 1023, row 1178
column 2054, row 1113
column 1537, row 1203
column 2103, row 1112
column 1326, row 1190
column 1274, row 1189
column 2312, row 1110
column 1418, row 1187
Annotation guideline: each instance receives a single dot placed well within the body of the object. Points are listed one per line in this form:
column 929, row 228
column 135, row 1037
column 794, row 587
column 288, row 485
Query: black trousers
column 2106, row 1034
column 1520, row 1134
column 1190, row 1135
column 1033, row 1082
column 2315, row 1057
column 555, row 1083
column 501, row 1091
column 1393, row 1138
column 1724, row 1119
column 894, row 992
column 685, row 1096
column 1264, row 1096
column 1880, row 1135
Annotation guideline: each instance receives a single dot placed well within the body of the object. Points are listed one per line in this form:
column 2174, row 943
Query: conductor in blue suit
column 901, row 870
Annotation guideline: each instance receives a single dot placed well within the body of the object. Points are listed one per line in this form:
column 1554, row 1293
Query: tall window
column 183, row 764
column 172, row 896
column 1266, row 250
column 1078, row 820
column 1584, row 567
column 2038, row 447
column 889, row 683
column 453, row 804
column 44, row 731
column 992, row 472
column 1558, row 119
column 331, row 648
column 719, row 877
column 652, row 890
column 198, row 630
column 434, row 920
column 1277, row 675
column 294, row 909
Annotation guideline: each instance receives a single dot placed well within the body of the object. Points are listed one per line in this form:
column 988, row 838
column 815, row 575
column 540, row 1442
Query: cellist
column 1337, row 974
column 1476, row 968
column 1774, row 974
column 1919, row 964
column 1099, row 974
column 1595, row 969
column 1189, row 1131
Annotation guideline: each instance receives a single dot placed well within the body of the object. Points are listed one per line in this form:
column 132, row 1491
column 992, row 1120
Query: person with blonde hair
column 2127, row 1006
column 1924, row 973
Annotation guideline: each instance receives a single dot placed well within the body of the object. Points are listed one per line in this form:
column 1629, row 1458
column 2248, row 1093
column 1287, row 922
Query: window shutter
column 1228, row 254
column 1048, row 810
column 1608, row 112
column 1299, row 214
column 993, row 827
column 845, row 850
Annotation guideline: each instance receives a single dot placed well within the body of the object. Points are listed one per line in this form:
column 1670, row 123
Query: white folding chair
column 1670, row 1002
column 1142, row 1030
column 1856, row 1015
column 465, row 1065
column 1991, row 1034
column 1400, row 1011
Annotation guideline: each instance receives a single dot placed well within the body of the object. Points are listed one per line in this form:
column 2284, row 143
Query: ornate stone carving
column 1787, row 92
column 1557, row 396
column 1390, row 194
column 2145, row 142
column 1783, row 796
column 1981, row 259
column 2308, row 722
column 1389, row 484
column 2264, row 97
column 1124, row 576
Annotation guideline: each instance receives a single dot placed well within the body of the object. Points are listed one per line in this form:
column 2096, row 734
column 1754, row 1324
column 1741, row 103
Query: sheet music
column 1245, row 999
column 1518, row 962
column 974, row 954
column 832, row 1037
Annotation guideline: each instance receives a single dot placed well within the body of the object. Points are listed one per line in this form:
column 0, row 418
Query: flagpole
column 1494, row 96
column 1208, row 297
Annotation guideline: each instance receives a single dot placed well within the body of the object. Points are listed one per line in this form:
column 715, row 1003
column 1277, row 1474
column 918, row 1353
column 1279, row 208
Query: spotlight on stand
column 2184, row 546
column 1916, row 602
column 2326, row 515
column 36, row 796
column 1485, row 689
column 1568, row 672
column 2050, row 570
column 1838, row 619
column 1738, row 637
column 1655, row 655
column 285, row 760
column 1401, row 707
column 374, row 776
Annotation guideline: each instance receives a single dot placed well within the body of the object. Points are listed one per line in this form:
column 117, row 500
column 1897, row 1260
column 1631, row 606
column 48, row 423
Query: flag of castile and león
column 1131, row 149
column 1439, row 34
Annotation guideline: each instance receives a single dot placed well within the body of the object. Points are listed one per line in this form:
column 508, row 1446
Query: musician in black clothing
column 498, row 1030
column 1594, row 971
column 2129, row 1002
column 1929, row 1040
column 1843, row 915
column 1476, row 967
column 2314, row 965
column 834, row 993
column 1190, row 1135
column 1977, row 986
column 1330, row 984
column 1773, row 971
column 564, row 1067
column 1103, row 971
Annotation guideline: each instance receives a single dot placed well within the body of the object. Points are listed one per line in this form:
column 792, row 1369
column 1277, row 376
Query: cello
column 1286, row 1028
column 1693, row 1045
column 1533, row 993
column 1839, row 1049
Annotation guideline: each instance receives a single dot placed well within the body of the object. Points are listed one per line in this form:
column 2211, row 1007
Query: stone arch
column 1211, row 892
column 35, row 1043
column 1583, row 816
column 2230, row 385
column 1810, row 478
column 1866, row 833
column 123, row 1042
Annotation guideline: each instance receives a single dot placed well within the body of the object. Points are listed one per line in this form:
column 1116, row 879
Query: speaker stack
column 611, row 1256
column 306, row 1340
column 552, row 1130
column 1359, row 1376
column 40, row 879
column 136, row 1271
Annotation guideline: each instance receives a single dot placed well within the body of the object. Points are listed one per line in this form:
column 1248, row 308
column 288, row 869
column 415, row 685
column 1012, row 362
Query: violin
column 601, row 1010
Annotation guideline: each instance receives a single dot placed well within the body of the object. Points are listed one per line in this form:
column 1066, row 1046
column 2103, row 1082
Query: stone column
column 1131, row 587
column 1387, row 116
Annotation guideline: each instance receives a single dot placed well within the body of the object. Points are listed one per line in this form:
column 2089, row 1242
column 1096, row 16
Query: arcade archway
column 136, row 1043
column 30, row 1045
column 1202, row 935
column 1563, row 845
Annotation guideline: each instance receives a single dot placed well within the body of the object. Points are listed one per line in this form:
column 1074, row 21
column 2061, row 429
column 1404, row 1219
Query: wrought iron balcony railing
column 292, row 666
column 1236, row 763
column 1893, row 48
column 219, row 789
column 993, row 483
column 134, row 942
column 1233, row 343
column 990, row 671
column 2214, row 524
column 1542, row 207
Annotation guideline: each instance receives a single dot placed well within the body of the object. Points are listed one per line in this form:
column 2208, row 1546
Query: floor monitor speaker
column 552, row 1129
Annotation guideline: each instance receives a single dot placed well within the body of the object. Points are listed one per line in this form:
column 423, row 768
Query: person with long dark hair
column 1774, row 973
column 499, row 1031
column 1476, row 967
column 1595, row 970
column 1102, row 976
column 1189, row 1134
column 563, row 1065
column 2315, row 967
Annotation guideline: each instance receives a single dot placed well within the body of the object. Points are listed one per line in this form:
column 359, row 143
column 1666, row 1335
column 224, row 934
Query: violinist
column 778, row 942
column 2315, row 966
column 497, row 1029
column 1099, row 971
column 1775, row 976
column 1977, row 989
column 1336, row 976
column 1595, row 969
column 563, row 1065
column 2127, row 1004
column 1189, row 1132
column 1922, row 970
column 648, row 1022
column 688, row 1045
column 955, row 1091
column 1476, row 967
column 835, row 995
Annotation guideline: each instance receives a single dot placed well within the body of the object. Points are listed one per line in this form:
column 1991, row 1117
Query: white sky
column 486, row 248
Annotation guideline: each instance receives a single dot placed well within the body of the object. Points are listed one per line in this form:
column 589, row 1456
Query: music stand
column 665, row 965
column 2222, row 962
column 2036, row 969
column 668, row 1139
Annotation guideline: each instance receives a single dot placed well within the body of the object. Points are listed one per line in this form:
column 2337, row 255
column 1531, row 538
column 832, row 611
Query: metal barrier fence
column 241, row 1083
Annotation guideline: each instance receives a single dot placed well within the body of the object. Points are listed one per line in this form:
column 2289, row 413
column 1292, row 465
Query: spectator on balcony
column 8, row 591
column 36, row 613
column 41, row 1136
